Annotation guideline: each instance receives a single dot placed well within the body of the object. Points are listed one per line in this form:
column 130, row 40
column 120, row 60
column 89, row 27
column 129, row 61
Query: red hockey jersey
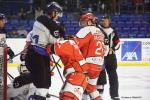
column 71, row 56
column 91, row 43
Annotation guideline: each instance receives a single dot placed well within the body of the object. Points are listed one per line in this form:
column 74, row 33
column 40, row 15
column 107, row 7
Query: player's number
column 99, row 48
column 36, row 38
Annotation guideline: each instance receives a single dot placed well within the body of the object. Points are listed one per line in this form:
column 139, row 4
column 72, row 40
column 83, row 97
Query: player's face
column 106, row 22
column 55, row 15
column 83, row 23
column 2, row 23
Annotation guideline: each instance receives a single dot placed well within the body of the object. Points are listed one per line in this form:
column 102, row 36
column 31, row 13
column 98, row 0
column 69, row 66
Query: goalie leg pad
column 22, row 80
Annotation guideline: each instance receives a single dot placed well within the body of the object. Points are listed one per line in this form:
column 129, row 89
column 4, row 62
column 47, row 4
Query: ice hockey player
column 45, row 31
column 3, row 20
column 91, row 43
column 75, row 69
column 112, row 43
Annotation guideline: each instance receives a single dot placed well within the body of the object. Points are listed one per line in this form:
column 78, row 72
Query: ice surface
column 134, row 83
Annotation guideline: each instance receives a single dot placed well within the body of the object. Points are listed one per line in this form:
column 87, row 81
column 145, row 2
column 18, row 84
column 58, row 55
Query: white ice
column 134, row 83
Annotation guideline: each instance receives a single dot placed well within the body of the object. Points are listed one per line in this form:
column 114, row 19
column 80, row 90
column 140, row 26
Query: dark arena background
column 130, row 18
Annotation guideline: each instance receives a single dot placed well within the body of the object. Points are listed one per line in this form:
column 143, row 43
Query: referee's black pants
column 110, row 62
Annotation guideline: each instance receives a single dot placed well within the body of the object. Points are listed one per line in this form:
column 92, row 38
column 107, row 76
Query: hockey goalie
column 21, row 86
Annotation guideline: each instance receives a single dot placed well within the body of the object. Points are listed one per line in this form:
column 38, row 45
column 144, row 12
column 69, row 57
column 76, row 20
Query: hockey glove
column 10, row 52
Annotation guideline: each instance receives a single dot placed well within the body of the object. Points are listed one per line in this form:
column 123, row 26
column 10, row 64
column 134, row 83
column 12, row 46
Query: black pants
column 39, row 66
column 110, row 62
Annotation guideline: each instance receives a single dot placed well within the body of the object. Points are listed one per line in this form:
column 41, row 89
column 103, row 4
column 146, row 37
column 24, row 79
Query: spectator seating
column 126, row 25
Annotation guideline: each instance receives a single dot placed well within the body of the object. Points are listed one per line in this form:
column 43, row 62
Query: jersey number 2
column 99, row 48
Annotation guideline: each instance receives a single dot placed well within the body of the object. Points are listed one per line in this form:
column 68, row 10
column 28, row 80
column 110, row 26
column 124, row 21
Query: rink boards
column 132, row 52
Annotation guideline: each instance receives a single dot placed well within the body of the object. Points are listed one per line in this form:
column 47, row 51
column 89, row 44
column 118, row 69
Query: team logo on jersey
column 131, row 51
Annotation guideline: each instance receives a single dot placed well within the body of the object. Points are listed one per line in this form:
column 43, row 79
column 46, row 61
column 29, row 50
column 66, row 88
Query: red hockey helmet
column 87, row 17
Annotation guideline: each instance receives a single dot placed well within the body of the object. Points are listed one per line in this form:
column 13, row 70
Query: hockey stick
column 56, row 65
column 60, row 75
column 17, row 55
column 10, row 76
column 52, row 95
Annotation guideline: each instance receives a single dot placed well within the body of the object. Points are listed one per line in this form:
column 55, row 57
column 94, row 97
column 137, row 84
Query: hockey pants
column 38, row 65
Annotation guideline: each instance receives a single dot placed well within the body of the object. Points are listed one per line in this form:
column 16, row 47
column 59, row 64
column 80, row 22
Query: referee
column 112, row 43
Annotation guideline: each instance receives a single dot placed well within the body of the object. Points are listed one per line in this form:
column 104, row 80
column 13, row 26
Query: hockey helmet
column 105, row 17
column 85, row 18
column 88, row 16
column 105, row 21
column 54, row 6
